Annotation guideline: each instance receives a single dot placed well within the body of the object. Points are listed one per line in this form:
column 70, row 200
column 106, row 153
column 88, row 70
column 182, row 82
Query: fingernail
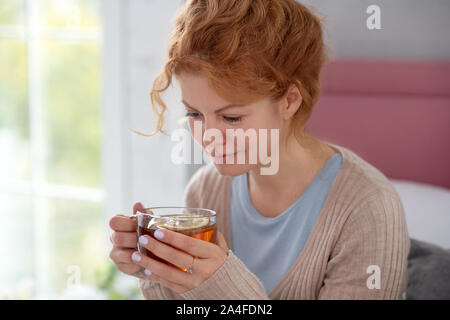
column 159, row 234
column 136, row 257
column 148, row 272
column 143, row 240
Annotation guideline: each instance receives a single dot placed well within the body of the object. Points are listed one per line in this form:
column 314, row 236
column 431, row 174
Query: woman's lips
column 225, row 158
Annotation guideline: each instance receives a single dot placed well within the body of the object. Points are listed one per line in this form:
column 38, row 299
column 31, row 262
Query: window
column 51, row 193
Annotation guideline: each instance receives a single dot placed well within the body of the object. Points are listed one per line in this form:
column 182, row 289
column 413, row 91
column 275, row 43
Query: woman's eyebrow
column 218, row 110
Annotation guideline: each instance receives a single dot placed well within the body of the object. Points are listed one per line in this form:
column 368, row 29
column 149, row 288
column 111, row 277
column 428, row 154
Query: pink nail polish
column 136, row 257
column 158, row 234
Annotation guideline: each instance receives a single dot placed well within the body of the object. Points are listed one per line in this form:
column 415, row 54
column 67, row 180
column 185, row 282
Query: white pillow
column 427, row 210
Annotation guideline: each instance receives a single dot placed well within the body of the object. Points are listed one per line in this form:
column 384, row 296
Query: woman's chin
column 231, row 169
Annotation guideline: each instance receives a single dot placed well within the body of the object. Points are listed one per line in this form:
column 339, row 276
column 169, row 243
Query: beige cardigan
column 362, row 224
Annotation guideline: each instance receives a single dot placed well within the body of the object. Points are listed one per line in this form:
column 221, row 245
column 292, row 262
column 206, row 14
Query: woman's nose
column 213, row 133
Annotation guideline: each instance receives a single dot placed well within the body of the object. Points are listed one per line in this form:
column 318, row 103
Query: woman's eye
column 232, row 119
column 192, row 114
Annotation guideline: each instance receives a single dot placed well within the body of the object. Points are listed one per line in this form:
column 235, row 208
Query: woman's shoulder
column 365, row 204
column 360, row 179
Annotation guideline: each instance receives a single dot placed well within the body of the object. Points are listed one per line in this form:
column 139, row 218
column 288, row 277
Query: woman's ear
column 291, row 102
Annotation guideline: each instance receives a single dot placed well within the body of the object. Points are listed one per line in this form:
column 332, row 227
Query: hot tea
column 199, row 227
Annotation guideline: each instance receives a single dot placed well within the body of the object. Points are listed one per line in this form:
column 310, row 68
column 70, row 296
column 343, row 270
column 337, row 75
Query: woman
column 325, row 225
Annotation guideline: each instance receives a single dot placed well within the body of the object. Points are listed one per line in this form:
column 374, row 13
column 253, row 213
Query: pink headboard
column 394, row 114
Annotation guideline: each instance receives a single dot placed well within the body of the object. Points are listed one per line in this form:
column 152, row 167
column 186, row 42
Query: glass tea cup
column 198, row 223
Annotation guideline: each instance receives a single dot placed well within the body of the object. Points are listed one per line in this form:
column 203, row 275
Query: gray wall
column 410, row 29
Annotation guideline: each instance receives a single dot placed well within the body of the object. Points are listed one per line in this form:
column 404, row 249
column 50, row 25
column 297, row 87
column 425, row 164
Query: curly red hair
column 247, row 49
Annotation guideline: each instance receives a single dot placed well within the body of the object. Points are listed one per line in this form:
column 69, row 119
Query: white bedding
column 427, row 210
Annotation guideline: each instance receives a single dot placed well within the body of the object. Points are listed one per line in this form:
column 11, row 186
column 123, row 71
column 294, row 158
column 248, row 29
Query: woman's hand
column 210, row 258
column 124, row 240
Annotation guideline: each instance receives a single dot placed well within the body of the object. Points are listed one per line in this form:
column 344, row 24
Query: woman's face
column 214, row 115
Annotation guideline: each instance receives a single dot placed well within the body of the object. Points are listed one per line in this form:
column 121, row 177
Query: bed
column 396, row 115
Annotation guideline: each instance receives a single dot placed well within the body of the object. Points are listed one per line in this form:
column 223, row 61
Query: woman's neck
column 272, row 194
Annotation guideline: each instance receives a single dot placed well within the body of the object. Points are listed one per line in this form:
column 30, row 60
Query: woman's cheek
column 197, row 131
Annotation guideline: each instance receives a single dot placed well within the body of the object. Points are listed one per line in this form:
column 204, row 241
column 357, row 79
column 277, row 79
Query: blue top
column 269, row 246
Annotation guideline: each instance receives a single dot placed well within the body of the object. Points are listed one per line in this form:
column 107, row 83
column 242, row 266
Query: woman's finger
column 124, row 239
column 120, row 255
column 166, row 252
column 221, row 241
column 168, row 284
column 193, row 246
column 128, row 268
column 138, row 207
column 123, row 223
column 169, row 273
